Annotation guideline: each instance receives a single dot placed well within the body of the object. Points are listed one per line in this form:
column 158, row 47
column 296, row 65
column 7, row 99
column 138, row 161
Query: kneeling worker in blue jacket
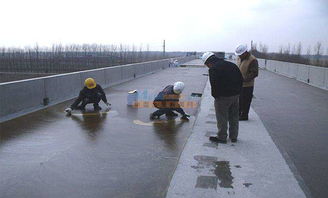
column 167, row 101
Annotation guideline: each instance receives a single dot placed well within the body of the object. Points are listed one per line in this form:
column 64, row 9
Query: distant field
column 7, row 77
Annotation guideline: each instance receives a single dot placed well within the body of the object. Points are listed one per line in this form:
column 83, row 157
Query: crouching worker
column 91, row 93
column 167, row 101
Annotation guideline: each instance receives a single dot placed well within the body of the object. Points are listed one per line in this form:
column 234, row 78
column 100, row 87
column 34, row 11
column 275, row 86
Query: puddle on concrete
column 211, row 145
column 196, row 94
column 247, row 184
column 223, row 172
column 89, row 113
column 139, row 122
column 207, row 182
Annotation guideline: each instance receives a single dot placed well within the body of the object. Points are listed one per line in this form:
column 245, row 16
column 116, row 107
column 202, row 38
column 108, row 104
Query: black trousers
column 95, row 101
column 245, row 100
column 162, row 111
column 164, row 108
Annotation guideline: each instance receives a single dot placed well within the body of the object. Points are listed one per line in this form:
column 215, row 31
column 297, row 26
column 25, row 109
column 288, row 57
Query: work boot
column 152, row 116
column 243, row 118
column 234, row 140
column 171, row 113
column 184, row 118
column 217, row 140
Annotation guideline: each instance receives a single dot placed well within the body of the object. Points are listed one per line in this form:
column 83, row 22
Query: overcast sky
column 186, row 25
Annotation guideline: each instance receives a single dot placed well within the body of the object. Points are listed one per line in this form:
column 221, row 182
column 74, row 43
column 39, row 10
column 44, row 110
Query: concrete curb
column 252, row 167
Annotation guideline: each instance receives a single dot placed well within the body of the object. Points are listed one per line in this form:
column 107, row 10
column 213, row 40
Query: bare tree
column 299, row 49
column 281, row 49
column 293, row 49
column 264, row 48
column 287, row 49
column 317, row 48
column 254, row 47
column 308, row 51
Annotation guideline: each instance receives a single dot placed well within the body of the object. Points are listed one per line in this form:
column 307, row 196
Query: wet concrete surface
column 221, row 170
column 46, row 154
column 296, row 116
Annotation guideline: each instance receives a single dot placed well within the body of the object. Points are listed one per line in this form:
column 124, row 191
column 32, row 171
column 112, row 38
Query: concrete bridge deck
column 123, row 154
column 119, row 154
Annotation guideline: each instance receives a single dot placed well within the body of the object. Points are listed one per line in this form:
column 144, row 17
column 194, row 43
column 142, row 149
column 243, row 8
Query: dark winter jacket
column 90, row 94
column 225, row 78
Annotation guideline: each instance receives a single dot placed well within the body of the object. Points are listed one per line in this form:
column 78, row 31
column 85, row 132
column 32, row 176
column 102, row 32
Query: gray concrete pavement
column 252, row 167
column 122, row 154
column 118, row 154
column 296, row 116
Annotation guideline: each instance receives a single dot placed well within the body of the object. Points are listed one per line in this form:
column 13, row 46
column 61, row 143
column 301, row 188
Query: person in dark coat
column 167, row 101
column 91, row 93
column 226, row 83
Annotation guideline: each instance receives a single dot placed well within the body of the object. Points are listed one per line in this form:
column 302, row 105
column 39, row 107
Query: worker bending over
column 167, row 101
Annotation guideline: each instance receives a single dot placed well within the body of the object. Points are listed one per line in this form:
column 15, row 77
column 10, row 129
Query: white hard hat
column 206, row 55
column 240, row 49
column 178, row 87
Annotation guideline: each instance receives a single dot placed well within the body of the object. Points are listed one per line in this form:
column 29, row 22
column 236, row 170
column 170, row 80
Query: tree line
column 314, row 55
column 68, row 58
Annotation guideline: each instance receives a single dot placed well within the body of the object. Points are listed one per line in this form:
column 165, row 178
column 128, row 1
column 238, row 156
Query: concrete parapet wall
column 261, row 63
column 61, row 87
column 302, row 73
column 21, row 96
column 293, row 69
column 25, row 96
column 326, row 79
column 315, row 76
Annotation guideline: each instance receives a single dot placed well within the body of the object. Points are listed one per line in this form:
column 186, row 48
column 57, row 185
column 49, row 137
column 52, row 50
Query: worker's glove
column 108, row 106
column 185, row 117
column 68, row 110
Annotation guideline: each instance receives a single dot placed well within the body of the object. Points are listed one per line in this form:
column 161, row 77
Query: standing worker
column 167, row 101
column 91, row 93
column 249, row 68
column 226, row 82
